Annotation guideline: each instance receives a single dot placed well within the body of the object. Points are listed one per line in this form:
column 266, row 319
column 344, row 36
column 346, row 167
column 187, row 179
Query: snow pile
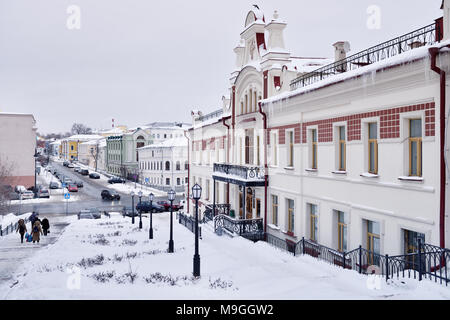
column 9, row 218
column 112, row 259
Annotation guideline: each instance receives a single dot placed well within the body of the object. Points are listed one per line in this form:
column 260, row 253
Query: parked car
column 110, row 195
column 65, row 163
column 43, row 193
column 76, row 169
column 84, row 172
column 70, row 165
column 92, row 213
column 27, row 195
column 72, row 187
column 144, row 206
column 116, row 180
column 166, row 205
column 54, row 185
column 128, row 212
column 14, row 196
column 79, row 184
column 20, row 189
column 94, row 175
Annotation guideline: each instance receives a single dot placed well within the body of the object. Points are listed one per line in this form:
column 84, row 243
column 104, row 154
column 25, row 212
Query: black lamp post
column 151, row 197
column 196, row 195
column 171, row 195
column 132, row 207
column 140, row 211
column 35, row 159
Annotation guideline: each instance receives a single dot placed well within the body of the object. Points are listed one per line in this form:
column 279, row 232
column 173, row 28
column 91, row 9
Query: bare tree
column 94, row 154
column 79, row 128
column 5, row 180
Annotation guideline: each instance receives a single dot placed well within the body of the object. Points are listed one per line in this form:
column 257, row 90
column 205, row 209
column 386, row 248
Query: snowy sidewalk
column 14, row 254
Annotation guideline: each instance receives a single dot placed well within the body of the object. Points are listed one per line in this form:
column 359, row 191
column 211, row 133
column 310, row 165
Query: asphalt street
column 87, row 197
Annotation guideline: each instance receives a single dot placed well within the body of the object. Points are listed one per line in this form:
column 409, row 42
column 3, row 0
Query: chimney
column 340, row 53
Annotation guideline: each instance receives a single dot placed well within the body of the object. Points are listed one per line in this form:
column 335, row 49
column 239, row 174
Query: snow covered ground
column 110, row 258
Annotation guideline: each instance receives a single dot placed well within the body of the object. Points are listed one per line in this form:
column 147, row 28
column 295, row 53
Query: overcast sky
column 140, row 61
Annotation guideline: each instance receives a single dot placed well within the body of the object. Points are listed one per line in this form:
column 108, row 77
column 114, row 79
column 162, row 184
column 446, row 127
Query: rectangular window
column 290, row 215
column 291, row 148
column 373, row 148
column 313, row 230
column 373, row 242
column 341, row 148
column 258, row 162
column 314, row 149
column 274, row 149
column 167, row 181
column 275, row 210
column 415, row 147
column 342, row 231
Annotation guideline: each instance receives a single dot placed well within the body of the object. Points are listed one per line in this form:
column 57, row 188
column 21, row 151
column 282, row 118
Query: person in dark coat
column 45, row 226
column 21, row 228
column 32, row 219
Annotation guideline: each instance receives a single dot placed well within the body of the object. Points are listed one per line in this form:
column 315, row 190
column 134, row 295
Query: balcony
column 241, row 175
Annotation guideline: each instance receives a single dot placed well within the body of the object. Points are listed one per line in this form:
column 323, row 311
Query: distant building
column 17, row 148
column 162, row 131
column 89, row 152
column 69, row 146
column 164, row 165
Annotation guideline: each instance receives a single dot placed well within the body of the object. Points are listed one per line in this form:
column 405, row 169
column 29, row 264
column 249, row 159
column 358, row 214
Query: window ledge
column 311, row 170
column 369, row 175
column 289, row 168
column 339, row 172
column 288, row 233
column 408, row 178
column 272, row 226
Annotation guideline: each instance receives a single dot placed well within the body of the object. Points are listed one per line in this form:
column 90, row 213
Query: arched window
column 167, row 165
column 178, row 166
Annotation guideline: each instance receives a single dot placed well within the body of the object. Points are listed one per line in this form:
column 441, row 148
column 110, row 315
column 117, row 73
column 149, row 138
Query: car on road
column 66, row 163
column 20, row 189
column 43, row 193
column 70, row 165
column 144, row 206
column 116, row 180
column 166, row 205
column 92, row 213
column 27, row 195
column 84, row 172
column 76, row 169
column 94, row 175
column 54, row 185
column 72, row 187
column 110, row 195
column 79, row 184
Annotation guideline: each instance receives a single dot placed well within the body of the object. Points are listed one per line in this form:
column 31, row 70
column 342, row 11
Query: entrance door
column 248, row 207
column 411, row 246
column 373, row 242
column 258, row 208
column 241, row 211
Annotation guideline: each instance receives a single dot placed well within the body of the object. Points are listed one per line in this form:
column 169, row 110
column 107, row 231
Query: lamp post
column 35, row 159
column 171, row 195
column 151, row 197
column 132, row 207
column 196, row 195
column 140, row 211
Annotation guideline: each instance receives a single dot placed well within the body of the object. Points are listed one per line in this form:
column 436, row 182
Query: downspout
column 227, row 152
column 435, row 68
column 266, row 173
column 189, row 176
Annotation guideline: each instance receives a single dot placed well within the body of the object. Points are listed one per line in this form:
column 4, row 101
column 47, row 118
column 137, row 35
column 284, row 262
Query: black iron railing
column 428, row 262
column 248, row 173
column 248, row 228
column 10, row 228
column 189, row 223
column 423, row 36
column 211, row 115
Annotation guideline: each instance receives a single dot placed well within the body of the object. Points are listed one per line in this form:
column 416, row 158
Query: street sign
column 67, row 196
column 147, row 180
column 63, row 185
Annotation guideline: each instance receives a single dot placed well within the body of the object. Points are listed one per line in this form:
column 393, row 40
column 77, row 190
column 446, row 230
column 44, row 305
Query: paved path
column 13, row 253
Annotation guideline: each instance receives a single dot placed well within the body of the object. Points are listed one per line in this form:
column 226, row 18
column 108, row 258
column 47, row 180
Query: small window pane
column 414, row 158
column 314, row 135
column 374, row 227
column 416, row 128
column 372, row 130
column 342, row 133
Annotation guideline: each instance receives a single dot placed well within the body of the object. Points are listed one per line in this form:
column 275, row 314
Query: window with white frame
column 274, row 142
column 415, row 147
column 313, row 148
column 373, row 147
column 290, row 148
column 275, row 210
column 313, row 221
column 290, row 215
column 341, row 152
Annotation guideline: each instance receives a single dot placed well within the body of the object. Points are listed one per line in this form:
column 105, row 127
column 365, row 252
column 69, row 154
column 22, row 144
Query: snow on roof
column 307, row 65
column 403, row 58
column 175, row 142
column 95, row 141
column 83, row 137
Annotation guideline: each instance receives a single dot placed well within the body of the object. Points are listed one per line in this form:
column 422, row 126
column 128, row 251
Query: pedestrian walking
column 21, row 228
column 32, row 219
column 45, row 226
column 36, row 231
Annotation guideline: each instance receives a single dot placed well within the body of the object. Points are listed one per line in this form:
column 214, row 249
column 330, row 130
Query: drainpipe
column 228, row 153
column 266, row 173
column 189, row 176
column 435, row 68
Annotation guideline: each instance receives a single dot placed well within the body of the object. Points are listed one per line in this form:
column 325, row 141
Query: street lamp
column 35, row 159
column 151, row 196
column 132, row 207
column 196, row 195
column 140, row 211
column 171, row 195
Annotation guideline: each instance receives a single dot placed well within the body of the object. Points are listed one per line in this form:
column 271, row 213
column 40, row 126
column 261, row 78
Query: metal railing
column 424, row 36
column 189, row 223
column 211, row 115
column 10, row 228
column 248, row 228
column 240, row 171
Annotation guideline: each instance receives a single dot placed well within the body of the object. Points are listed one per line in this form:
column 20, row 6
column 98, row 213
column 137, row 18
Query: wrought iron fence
column 189, row 223
column 248, row 228
column 240, row 171
column 424, row 36
column 429, row 262
column 10, row 228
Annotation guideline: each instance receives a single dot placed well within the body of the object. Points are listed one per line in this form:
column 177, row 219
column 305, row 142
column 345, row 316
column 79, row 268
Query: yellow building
column 69, row 146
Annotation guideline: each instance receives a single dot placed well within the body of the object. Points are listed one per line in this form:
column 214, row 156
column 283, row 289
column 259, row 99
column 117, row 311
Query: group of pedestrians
column 38, row 228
